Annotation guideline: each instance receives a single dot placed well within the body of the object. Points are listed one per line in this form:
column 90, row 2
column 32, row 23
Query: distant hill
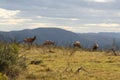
column 60, row 36
column 105, row 40
column 63, row 37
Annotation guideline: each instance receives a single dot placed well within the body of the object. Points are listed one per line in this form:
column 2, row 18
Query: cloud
column 102, row 1
column 59, row 18
column 46, row 25
column 9, row 17
column 118, row 14
column 104, row 25
column 13, row 21
column 74, row 15
column 82, row 28
column 4, row 13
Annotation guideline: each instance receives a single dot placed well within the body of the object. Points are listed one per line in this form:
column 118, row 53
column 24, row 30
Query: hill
column 60, row 36
column 105, row 40
column 64, row 38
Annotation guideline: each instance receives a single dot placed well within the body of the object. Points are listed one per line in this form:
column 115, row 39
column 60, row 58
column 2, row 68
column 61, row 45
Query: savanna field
column 60, row 63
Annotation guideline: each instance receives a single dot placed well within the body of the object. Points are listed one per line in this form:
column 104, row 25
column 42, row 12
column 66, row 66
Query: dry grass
column 63, row 63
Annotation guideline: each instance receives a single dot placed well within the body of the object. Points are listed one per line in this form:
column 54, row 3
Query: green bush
column 3, row 77
column 9, row 60
column 8, row 56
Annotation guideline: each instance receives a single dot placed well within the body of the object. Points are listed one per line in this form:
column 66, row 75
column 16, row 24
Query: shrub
column 8, row 56
column 3, row 77
column 9, row 60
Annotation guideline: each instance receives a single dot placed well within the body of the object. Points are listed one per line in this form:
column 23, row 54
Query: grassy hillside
column 47, row 63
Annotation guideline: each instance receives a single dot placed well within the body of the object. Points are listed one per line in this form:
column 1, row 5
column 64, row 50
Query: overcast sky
column 74, row 15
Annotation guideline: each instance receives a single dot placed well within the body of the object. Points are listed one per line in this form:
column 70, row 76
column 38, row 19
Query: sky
column 81, row 16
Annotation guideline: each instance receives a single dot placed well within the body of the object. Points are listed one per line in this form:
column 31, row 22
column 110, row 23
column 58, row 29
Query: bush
column 13, row 72
column 8, row 56
column 9, row 60
column 3, row 77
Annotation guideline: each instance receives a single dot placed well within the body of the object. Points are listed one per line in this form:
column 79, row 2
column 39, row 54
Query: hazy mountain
column 60, row 36
column 64, row 37
column 105, row 40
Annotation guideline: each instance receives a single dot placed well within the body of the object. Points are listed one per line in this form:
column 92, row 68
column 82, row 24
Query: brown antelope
column 48, row 42
column 77, row 44
column 30, row 40
column 95, row 47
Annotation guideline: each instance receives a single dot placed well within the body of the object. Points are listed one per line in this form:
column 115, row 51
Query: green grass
column 62, row 64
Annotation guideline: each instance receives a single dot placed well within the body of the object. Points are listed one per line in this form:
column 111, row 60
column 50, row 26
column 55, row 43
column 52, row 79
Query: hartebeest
column 95, row 46
column 30, row 40
column 48, row 42
column 77, row 44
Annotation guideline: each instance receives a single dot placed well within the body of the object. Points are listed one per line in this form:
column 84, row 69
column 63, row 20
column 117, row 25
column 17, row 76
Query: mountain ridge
column 63, row 37
column 58, row 35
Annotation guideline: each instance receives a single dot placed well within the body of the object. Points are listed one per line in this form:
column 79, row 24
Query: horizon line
column 56, row 28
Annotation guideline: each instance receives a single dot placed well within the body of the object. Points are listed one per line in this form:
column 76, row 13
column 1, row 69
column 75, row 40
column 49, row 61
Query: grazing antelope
column 77, row 44
column 95, row 47
column 48, row 42
column 30, row 40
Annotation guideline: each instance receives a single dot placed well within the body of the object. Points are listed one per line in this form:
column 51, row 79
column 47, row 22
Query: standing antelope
column 95, row 47
column 30, row 40
column 77, row 44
